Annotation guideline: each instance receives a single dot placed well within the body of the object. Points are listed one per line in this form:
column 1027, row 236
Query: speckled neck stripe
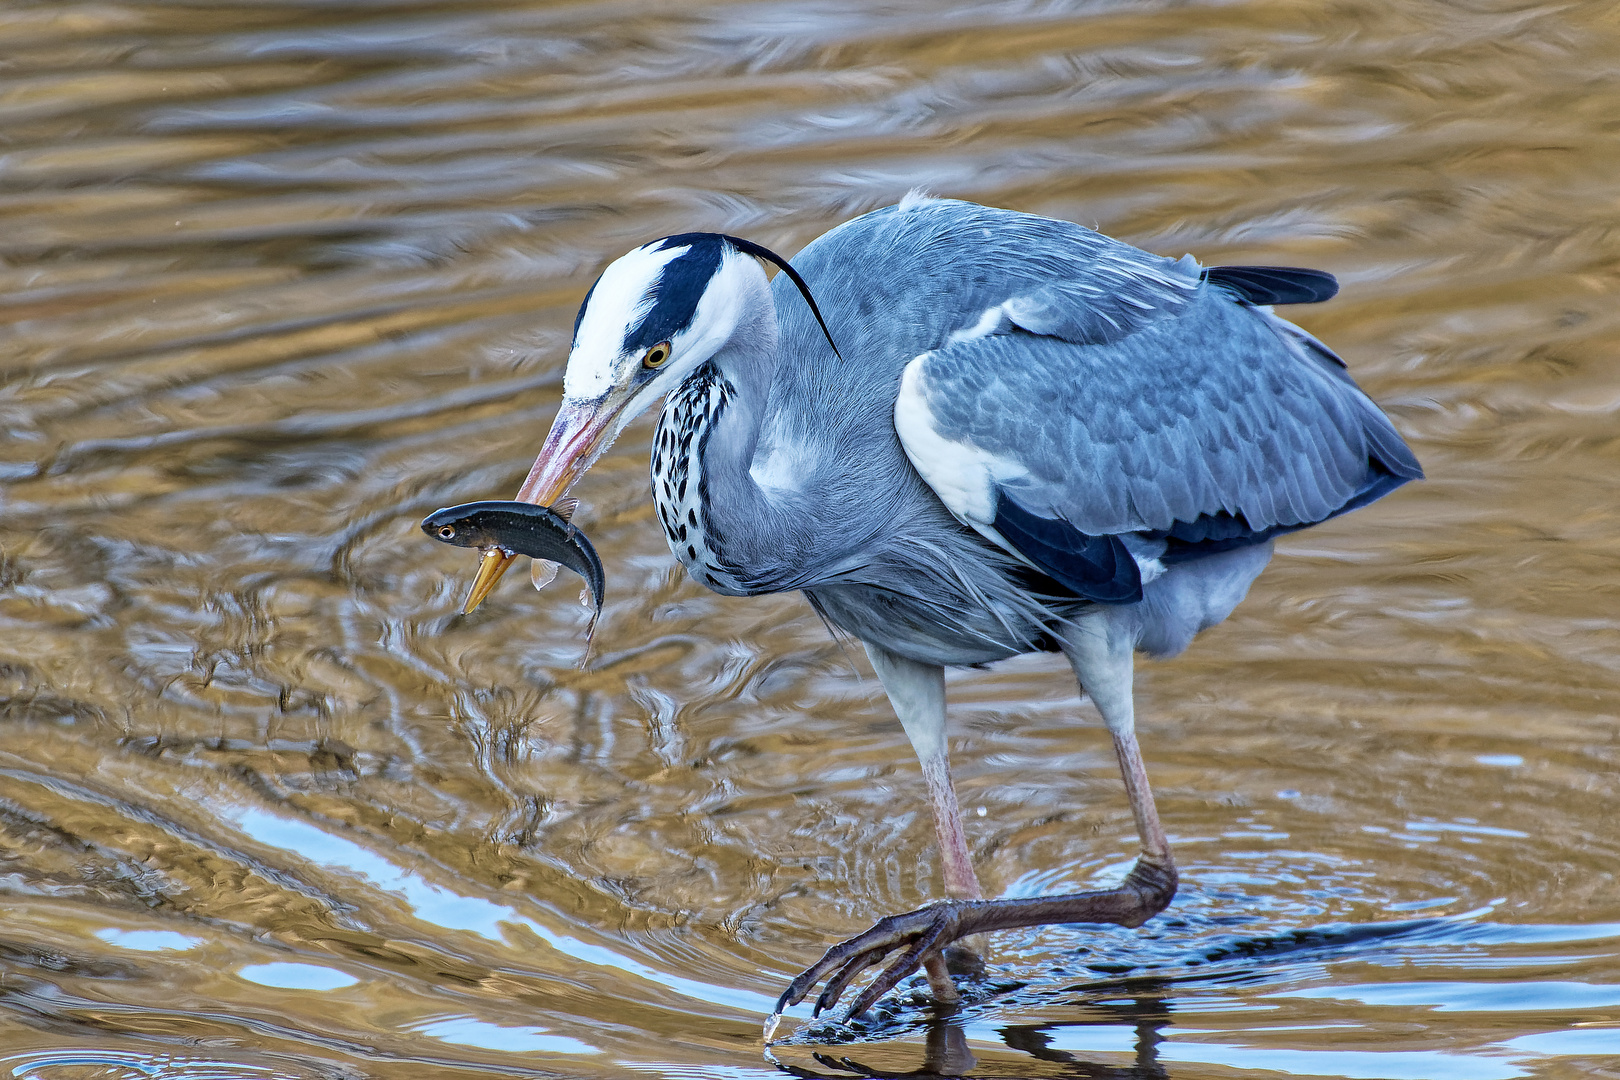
column 677, row 475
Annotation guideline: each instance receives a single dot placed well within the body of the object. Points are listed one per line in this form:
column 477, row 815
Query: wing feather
column 1275, row 284
column 1205, row 427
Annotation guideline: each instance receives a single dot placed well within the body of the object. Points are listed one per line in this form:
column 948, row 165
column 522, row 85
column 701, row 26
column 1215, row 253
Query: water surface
column 279, row 278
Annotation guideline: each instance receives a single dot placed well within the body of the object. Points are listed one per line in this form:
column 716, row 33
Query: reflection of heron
column 1035, row 438
column 946, row 1051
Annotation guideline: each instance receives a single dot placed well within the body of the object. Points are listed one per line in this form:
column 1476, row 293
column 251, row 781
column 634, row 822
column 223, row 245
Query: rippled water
column 281, row 277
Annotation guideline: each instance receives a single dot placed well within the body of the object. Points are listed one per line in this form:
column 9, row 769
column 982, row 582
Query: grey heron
column 997, row 434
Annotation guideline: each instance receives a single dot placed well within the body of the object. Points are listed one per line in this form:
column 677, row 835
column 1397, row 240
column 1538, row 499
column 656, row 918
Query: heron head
column 652, row 318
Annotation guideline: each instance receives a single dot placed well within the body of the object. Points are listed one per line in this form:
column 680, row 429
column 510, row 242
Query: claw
column 916, row 932
column 909, row 962
column 843, row 977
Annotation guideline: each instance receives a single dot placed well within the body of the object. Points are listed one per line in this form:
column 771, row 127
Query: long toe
column 913, row 935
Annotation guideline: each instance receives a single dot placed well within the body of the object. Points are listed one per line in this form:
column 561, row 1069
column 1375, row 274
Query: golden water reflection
column 281, row 278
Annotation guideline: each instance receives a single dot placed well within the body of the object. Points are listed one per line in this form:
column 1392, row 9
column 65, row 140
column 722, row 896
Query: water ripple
column 278, row 279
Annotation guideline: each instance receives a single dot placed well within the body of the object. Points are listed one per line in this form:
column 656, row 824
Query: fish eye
column 447, row 532
column 655, row 356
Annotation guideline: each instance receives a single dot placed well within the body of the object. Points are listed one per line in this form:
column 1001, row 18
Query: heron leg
column 917, row 692
column 1103, row 661
column 1102, row 658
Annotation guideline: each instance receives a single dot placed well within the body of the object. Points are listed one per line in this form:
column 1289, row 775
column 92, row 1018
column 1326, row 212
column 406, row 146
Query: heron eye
column 447, row 532
column 655, row 356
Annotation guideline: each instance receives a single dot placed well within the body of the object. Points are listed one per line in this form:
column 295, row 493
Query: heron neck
column 747, row 362
column 750, row 529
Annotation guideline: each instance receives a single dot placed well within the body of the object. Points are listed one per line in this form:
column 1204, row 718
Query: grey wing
column 1208, row 425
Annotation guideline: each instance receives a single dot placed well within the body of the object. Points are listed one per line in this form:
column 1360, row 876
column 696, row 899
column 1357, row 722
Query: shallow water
column 280, row 278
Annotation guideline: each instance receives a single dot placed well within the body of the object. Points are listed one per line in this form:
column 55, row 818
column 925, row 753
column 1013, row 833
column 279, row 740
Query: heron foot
column 913, row 937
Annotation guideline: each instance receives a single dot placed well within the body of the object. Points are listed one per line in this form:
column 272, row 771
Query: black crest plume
column 759, row 251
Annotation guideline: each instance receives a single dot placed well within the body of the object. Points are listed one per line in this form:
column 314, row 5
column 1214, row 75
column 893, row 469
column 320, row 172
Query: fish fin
column 590, row 641
column 565, row 507
column 542, row 572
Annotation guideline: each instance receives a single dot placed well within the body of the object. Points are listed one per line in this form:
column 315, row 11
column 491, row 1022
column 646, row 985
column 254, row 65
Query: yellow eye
column 655, row 356
column 447, row 532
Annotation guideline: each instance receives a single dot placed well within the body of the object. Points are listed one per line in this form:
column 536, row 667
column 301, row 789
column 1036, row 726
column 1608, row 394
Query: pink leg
column 961, row 883
column 917, row 692
column 1154, row 845
column 1104, row 661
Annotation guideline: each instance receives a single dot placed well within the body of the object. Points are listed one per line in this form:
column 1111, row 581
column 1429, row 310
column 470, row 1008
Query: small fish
column 520, row 528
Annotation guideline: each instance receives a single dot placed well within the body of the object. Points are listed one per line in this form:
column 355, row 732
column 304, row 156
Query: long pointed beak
column 489, row 572
column 579, row 434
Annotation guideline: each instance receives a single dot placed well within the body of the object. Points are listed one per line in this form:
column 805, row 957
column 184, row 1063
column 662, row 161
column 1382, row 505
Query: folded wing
column 1172, row 417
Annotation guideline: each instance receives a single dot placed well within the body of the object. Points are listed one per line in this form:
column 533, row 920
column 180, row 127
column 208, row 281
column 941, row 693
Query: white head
column 652, row 318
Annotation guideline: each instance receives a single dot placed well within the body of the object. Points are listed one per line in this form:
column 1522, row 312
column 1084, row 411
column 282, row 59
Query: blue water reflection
column 1517, row 996
column 468, row 1031
column 1351, row 1064
column 288, row 976
column 457, row 911
column 147, row 940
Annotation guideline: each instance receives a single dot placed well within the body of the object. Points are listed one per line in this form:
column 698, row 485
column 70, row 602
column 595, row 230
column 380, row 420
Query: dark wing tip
column 1275, row 284
column 1096, row 567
